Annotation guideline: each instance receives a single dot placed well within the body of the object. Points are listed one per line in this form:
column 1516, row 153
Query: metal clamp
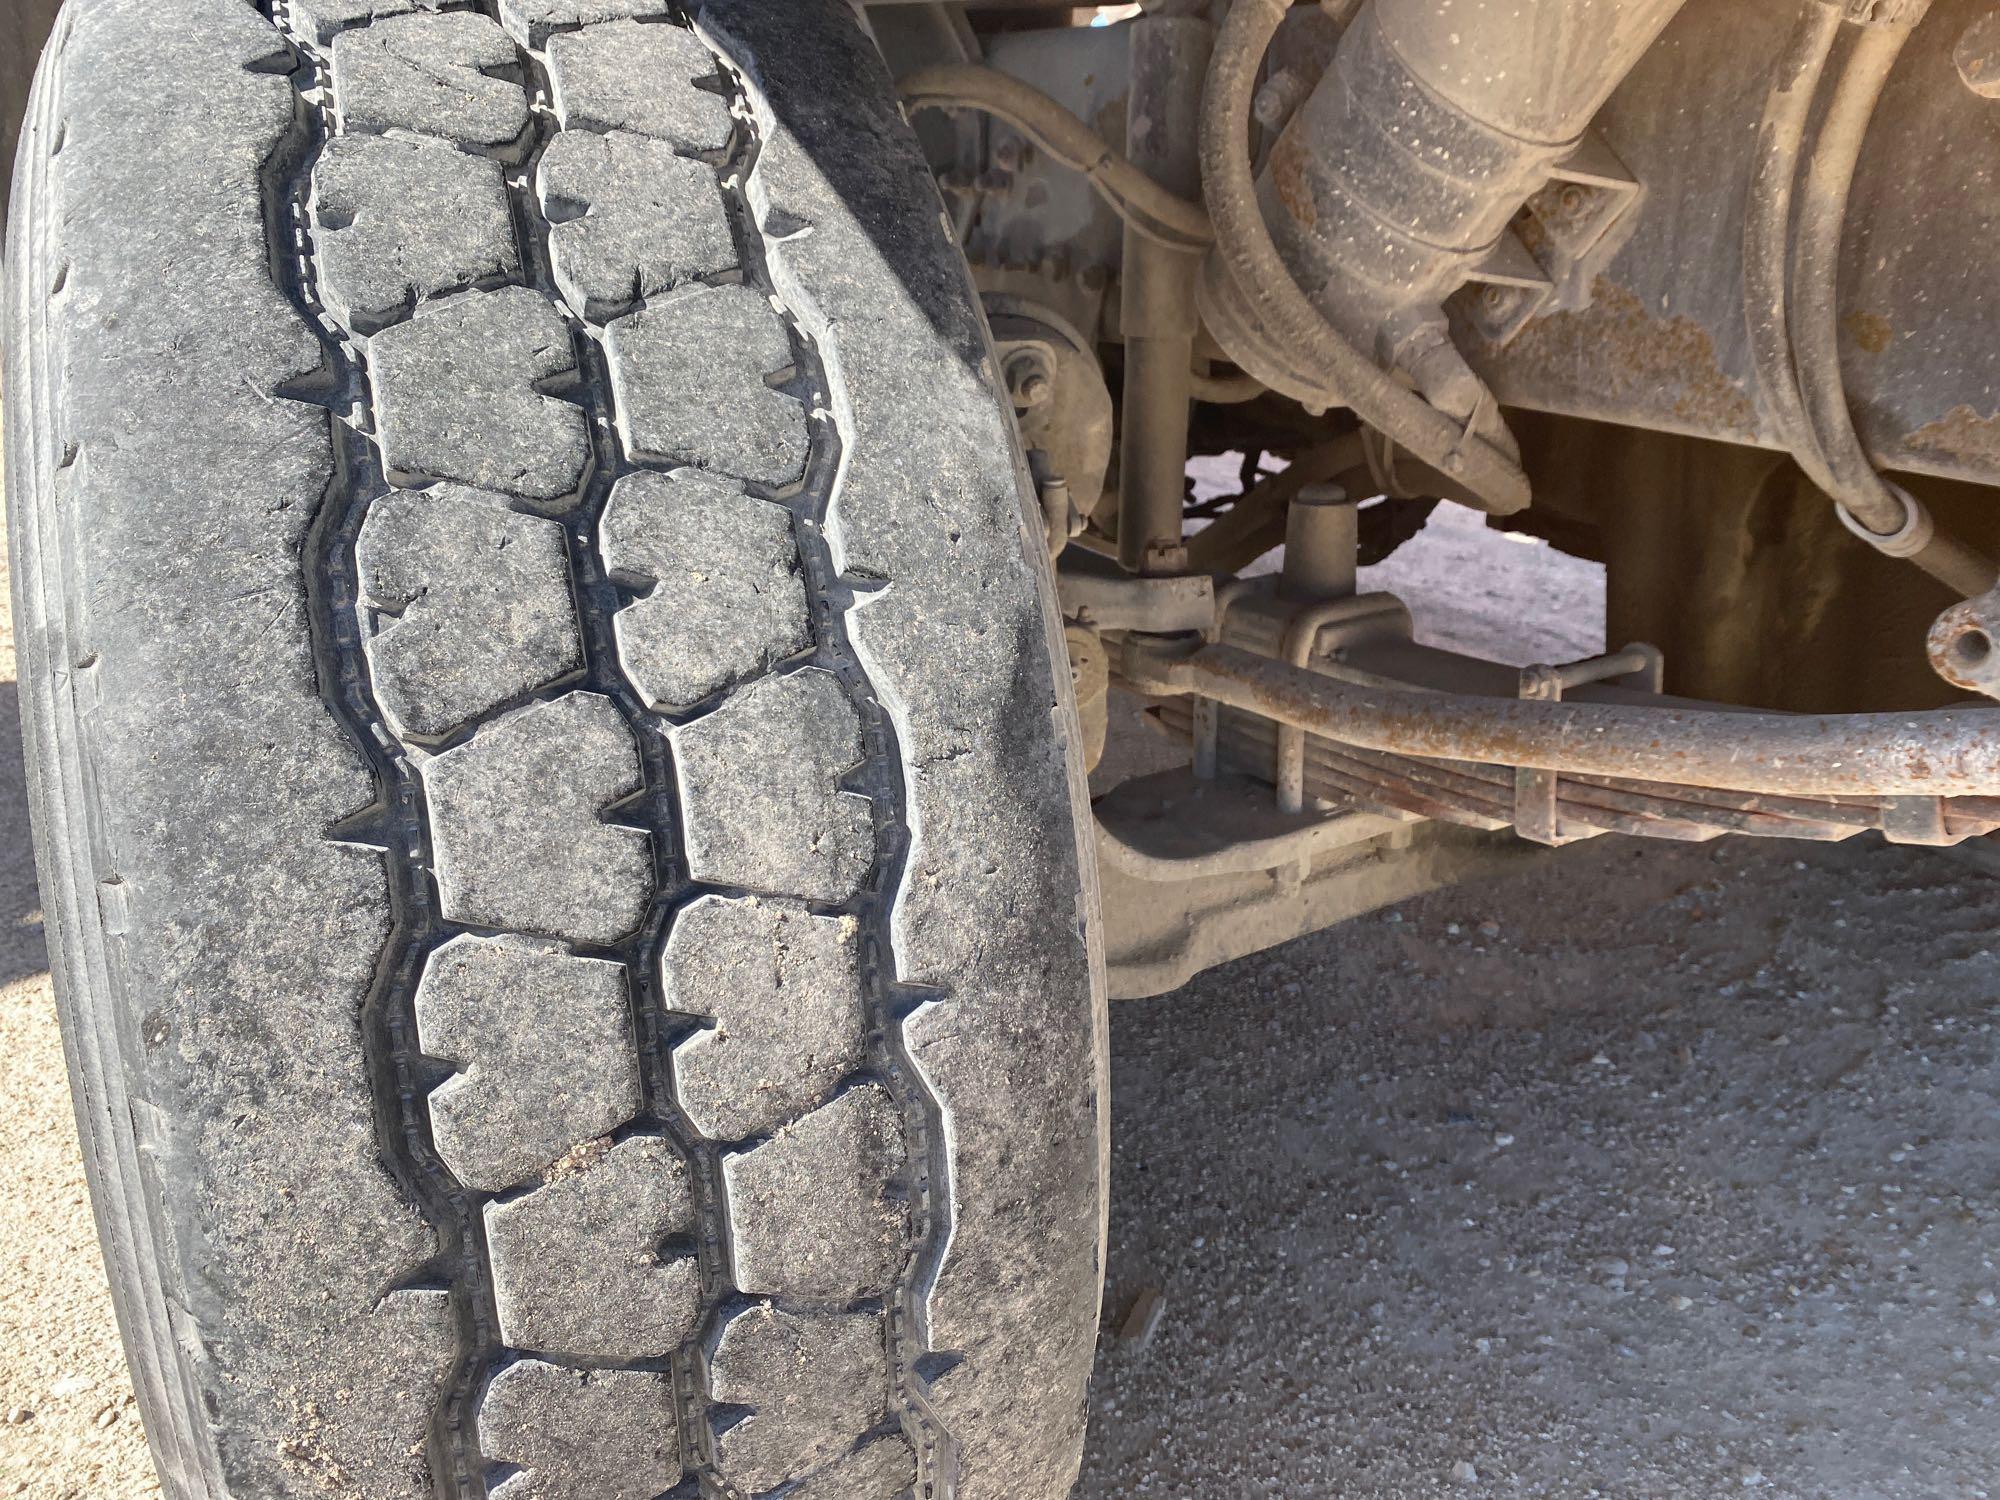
column 1535, row 788
column 1207, row 712
column 1301, row 635
column 1908, row 539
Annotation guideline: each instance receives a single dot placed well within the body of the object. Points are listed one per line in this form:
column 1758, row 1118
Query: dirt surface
column 1662, row 1172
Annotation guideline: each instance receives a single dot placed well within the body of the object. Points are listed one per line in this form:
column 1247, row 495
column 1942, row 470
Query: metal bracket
column 1512, row 287
column 1562, row 237
column 1096, row 593
column 1174, row 825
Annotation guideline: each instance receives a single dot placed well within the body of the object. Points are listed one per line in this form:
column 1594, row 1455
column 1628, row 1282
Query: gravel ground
column 1660, row 1172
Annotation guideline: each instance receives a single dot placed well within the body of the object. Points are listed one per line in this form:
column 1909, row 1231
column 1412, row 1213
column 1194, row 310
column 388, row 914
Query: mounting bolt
column 1978, row 56
column 1279, row 99
column 1030, row 379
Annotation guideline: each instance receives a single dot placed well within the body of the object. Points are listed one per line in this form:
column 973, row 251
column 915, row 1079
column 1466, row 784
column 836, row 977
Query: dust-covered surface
column 1665, row 1171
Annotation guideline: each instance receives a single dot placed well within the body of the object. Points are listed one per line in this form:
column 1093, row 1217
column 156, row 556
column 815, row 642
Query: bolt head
column 1030, row 381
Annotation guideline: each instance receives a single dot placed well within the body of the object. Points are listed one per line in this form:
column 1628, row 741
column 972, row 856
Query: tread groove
column 343, row 621
column 396, row 1061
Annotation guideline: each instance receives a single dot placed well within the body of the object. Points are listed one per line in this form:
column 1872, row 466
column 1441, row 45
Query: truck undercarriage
column 587, row 574
column 1678, row 286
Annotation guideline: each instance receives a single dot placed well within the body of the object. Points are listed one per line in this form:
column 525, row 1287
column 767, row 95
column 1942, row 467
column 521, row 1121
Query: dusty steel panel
column 1662, row 343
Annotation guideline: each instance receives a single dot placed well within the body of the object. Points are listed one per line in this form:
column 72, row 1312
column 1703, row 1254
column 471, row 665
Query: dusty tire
column 559, row 834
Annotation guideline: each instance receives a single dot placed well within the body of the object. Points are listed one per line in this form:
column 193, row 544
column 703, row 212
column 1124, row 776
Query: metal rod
column 1157, row 310
column 1207, row 712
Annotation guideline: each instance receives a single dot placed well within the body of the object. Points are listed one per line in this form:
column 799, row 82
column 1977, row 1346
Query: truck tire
column 561, row 832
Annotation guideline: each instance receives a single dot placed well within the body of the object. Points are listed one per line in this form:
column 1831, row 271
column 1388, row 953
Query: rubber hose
column 1767, row 224
column 1815, row 327
column 1139, row 201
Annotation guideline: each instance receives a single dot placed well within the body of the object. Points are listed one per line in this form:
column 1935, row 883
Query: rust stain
column 1289, row 160
column 1619, row 351
column 1869, row 330
column 1961, row 434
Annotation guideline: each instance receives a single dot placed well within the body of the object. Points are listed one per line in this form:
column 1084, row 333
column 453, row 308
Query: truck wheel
column 560, row 832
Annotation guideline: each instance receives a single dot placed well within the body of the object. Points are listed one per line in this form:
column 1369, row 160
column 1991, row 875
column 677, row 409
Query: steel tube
column 1139, row 201
column 1942, row 752
column 1157, row 311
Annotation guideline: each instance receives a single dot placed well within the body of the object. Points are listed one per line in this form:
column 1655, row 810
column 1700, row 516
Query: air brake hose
column 1796, row 349
column 1887, row 517
column 1767, row 223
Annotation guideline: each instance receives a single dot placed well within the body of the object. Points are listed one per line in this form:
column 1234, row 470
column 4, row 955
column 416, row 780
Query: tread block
column 326, row 19
column 577, row 1269
column 649, row 220
column 816, row 1383
column 457, row 396
column 784, row 989
column 481, row 595
column 625, row 76
column 544, row 1041
column 885, row 1469
column 760, row 797
column 690, row 378
column 400, row 220
column 517, row 827
column 430, row 73
column 581, row 1434
column 532, row 21
column 728, row 596
column 811, row 1212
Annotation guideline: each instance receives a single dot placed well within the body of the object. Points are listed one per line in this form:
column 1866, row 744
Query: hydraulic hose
column 1265, row 284
column 1767, row 224
column 1138, row 200
column 1790, row 301
column 1888, row 517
